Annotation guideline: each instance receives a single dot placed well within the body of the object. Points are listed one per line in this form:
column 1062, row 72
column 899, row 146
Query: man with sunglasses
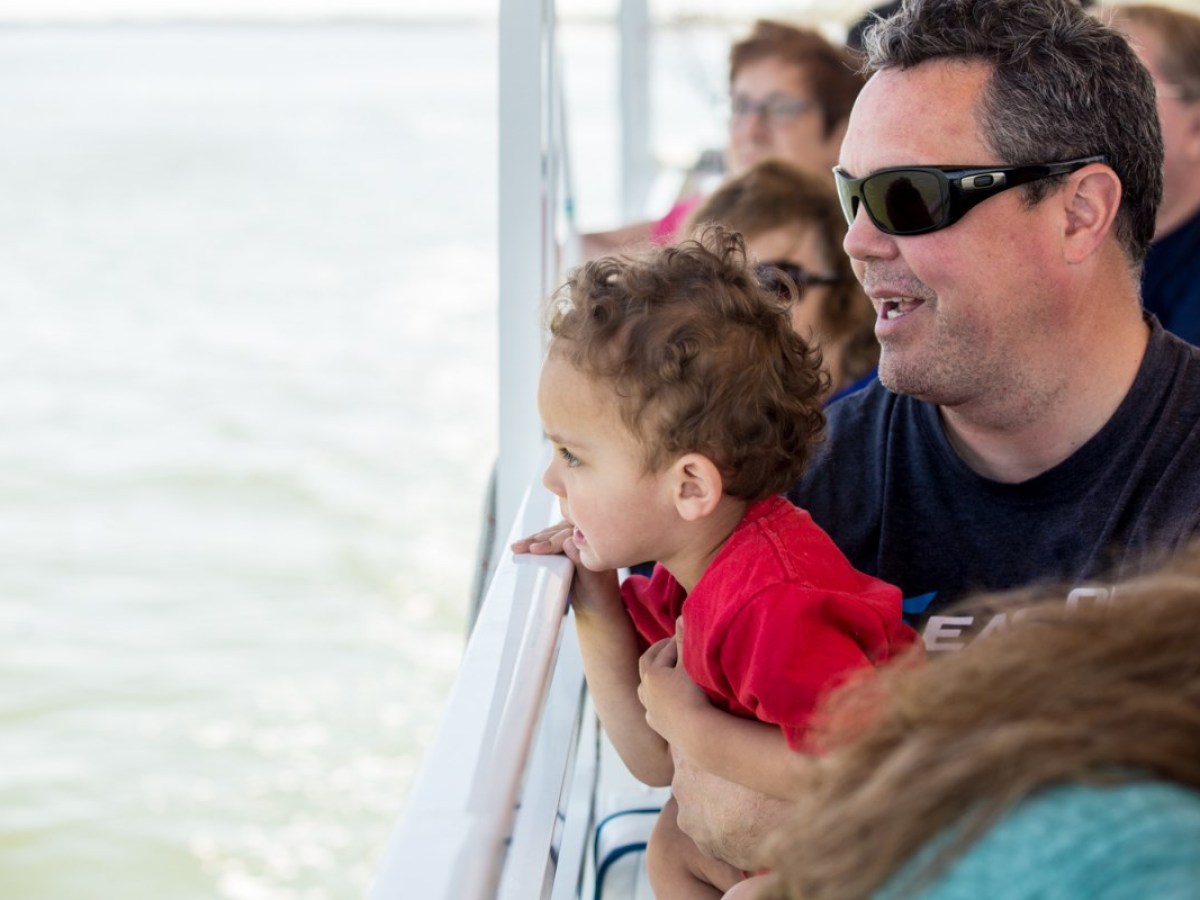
column 1001, row 182
column 1000, row 173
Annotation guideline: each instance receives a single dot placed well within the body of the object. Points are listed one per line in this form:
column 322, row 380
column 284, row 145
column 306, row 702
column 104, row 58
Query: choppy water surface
column 247, row 287
column 246, row 368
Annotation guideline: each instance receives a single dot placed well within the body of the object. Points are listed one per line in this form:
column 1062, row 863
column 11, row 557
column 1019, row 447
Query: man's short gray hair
column 1063, row 86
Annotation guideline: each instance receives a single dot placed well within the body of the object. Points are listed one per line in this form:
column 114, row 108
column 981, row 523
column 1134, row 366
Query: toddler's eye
column 571, row 459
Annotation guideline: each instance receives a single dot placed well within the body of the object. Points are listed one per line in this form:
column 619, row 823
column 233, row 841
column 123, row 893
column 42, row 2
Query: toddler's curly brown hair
column 702, row 358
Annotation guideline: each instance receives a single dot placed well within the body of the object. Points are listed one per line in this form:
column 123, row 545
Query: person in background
column 791, row 220
column 1059, row 758
column 680, row 403
column 790, row 93
column 1167, row 41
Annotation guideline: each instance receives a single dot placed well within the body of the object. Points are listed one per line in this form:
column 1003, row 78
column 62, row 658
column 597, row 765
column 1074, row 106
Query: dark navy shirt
column 900, row 503
column 1171, row 280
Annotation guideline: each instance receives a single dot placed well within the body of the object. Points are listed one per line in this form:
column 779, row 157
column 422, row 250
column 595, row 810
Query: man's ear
column 697, row 486
column 1092, row 197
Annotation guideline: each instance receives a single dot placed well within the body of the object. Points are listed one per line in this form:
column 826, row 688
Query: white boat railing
column 475, row 825
column 526, row 241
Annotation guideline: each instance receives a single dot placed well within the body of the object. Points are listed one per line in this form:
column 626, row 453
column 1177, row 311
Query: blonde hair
column 1103, row 694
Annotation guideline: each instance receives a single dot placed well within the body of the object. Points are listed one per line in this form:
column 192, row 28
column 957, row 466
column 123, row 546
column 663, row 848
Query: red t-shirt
column 778, row 619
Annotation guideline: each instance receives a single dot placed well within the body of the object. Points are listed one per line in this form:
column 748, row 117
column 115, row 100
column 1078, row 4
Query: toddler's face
column 621, row 512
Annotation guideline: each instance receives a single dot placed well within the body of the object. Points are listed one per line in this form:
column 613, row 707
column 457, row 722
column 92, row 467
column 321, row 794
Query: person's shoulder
column 1174, row 364
column 862, row 402
column 1111, row 807
column 872, row 410
column 1134, row 827
column 1165, row 345
column 1084, row 840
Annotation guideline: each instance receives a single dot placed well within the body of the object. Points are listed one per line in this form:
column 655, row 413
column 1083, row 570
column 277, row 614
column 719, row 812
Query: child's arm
column 608, row 643
column 745, row 751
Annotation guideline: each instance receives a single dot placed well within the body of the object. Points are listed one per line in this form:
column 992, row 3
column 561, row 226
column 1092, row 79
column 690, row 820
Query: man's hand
column 547, row 541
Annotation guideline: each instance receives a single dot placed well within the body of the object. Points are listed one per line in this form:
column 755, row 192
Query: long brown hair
column 1102, row 694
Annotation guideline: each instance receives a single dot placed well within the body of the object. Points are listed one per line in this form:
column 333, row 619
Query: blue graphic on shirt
column 915, row 606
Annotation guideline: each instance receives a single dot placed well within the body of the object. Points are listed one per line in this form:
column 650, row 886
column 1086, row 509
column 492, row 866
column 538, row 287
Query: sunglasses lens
column 906, row 202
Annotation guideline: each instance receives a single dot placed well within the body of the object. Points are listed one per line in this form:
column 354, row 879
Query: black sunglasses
column 769, row 274
column 918, row 199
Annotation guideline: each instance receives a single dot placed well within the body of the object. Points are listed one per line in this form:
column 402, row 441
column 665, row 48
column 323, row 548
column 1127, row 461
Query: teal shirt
column 1078, row 842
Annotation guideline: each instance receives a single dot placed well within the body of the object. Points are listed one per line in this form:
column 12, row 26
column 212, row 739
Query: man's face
column 965, row 315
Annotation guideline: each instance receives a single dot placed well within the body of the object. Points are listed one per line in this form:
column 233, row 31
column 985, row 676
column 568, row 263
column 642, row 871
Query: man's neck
column 1015, row 442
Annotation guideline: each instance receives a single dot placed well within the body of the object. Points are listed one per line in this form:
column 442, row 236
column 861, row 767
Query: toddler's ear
column 698, row 487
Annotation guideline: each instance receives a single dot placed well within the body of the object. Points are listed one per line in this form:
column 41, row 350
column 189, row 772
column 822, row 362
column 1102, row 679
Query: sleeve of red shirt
column 787, row 648
column 649, row 604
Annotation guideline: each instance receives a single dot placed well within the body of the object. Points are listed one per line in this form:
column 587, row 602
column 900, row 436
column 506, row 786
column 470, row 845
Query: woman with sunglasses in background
column 793, row 226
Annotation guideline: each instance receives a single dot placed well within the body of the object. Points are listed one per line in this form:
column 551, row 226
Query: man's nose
column 864, row 241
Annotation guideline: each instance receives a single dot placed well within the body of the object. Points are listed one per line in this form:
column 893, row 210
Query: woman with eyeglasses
column 794, row 227
column 790, row 94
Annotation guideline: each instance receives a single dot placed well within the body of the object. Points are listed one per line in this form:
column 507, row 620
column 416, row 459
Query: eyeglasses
column 777, row 108
column 919, row 199
column 769, row 274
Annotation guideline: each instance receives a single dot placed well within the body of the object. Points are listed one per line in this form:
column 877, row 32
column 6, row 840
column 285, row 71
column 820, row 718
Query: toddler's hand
column 548, row 540
column 666, row 690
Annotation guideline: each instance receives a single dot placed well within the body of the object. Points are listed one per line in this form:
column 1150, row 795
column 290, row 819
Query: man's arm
column 726, row 820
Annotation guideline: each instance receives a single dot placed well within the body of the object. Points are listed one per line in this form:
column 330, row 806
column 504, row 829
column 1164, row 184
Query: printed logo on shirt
column 953, row 632
column 916, row 606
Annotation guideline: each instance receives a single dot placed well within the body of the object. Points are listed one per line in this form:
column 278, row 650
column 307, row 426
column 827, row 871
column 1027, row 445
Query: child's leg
column 678, row 869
